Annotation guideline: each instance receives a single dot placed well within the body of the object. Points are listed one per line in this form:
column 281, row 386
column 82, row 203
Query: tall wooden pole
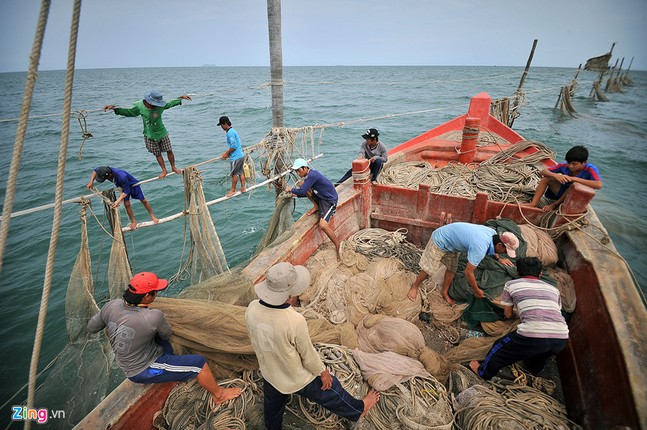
column 276, row 61
column 517, row 94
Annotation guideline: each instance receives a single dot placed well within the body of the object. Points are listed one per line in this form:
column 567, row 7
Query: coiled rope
column 376, row 242
column 503, row 177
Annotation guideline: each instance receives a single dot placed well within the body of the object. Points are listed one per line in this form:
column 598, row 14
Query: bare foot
column 163, row 174
column 230, row 193
column 474, row 365
column 155, row 220
column 313, row 210
column 133, row 225
column 370, row 400
column 448, row 299
column 226, row 394
column 177, row 171
column 413, row 293
column 243, row 190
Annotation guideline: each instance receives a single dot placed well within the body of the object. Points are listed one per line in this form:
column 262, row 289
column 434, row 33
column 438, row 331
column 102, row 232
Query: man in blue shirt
column 235, row 154
column 321, row 192
column 474, row 239
column 556, row 180
column 126, row 182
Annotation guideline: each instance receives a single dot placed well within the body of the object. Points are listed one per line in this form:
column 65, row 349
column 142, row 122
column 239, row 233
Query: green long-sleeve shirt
column 153, row 126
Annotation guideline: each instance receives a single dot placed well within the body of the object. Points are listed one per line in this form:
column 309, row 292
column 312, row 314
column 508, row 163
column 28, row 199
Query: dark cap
column 371, row 133
column 224, row 120
column 145, row 282
column 102, row 173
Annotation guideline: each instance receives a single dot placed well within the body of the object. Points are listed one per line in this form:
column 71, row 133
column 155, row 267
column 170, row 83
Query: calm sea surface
column 615, row 133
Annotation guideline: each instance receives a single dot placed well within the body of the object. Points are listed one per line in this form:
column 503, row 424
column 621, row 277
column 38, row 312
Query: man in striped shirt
column 542, row 331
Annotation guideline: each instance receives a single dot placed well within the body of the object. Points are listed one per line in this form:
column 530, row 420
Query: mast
column 517, row 94
column 276, row 61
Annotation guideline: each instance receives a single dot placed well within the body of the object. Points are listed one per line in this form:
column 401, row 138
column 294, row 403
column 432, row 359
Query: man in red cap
column 139, row 336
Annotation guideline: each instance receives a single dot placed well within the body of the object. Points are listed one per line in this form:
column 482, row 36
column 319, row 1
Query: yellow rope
column 32, row 74
column 56, row 222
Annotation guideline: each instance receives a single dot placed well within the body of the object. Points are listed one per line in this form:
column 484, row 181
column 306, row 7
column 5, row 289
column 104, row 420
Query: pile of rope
column 365, row 329
column 504, row 177
column 189, row 406
column 509, row 406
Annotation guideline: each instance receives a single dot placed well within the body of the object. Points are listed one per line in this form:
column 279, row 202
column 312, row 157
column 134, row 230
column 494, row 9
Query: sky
column 186, row 33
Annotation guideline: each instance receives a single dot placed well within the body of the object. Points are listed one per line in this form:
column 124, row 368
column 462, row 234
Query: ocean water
column 402, row 102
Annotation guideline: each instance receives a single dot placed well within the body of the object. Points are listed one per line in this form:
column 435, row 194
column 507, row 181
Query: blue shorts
column 136, row 192
column 326, row 209
column 168, row 368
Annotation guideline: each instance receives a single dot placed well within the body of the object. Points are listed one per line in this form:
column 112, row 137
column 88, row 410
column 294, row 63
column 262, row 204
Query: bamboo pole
column 521, row 82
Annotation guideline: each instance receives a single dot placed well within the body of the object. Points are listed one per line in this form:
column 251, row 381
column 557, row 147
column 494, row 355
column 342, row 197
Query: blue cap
column 155, row 98
column 298, row 163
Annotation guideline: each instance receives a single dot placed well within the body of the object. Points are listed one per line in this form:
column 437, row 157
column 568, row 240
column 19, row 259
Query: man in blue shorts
column 321, row 192
column 126, row 182
column 474, row 239
column 556, row 180
column 235, row 154
column 542, row 331
column 139, row 337
column 156, row 137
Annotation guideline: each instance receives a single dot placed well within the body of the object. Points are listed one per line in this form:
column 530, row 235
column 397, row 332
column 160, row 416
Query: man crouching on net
column 139, row 336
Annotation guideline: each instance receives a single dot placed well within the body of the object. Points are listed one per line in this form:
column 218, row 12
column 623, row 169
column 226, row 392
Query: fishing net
column 119, row 270
column 205, row 257
column 84, row 371
column 278, row 228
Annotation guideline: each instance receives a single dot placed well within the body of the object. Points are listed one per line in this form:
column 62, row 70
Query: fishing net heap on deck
column 357, row 312
column 362, row 323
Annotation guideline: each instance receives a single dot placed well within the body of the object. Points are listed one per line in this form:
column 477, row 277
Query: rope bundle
column 504, row 177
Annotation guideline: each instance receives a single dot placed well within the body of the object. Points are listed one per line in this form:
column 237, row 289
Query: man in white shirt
column 287, row 359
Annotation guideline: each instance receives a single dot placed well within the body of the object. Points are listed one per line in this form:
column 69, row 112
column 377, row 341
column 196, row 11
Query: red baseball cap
column 145, row 282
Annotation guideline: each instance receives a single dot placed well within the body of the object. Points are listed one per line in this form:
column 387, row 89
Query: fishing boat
column 602, row 370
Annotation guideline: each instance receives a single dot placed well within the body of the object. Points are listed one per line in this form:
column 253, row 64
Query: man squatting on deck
column 156, row 136
column 323, row 195
column 126, row 182
column 288, row 361
column 542, row 331
column 474, row 239
column 374, row 151
column 139, row 336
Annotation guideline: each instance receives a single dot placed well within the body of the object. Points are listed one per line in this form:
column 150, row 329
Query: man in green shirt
column 156, row 136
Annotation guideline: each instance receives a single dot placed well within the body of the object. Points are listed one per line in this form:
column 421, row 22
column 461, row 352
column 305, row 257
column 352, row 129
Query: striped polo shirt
column 539, row 306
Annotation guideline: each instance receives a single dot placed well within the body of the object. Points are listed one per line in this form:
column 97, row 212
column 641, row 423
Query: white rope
column 218, row 200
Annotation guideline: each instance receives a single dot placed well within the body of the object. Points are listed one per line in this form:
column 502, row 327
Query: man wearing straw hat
column 156, row 136
column 288, row 361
